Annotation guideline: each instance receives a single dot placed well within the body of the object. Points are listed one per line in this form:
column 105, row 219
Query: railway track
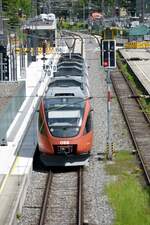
column 137, row 121
column 63, row 199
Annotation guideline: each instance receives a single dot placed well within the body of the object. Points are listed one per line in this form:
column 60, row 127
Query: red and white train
column 65, row 131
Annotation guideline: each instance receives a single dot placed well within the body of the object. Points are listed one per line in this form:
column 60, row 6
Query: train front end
column 65, row 131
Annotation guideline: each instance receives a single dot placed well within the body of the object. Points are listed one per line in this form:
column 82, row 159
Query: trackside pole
column 108, row 61
column 109, row 128
column 44, row 45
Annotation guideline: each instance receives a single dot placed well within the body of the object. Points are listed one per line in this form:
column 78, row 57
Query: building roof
column 140, row 30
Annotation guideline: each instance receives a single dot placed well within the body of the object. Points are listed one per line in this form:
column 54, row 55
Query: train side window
column 88, row 125
column 41, row 124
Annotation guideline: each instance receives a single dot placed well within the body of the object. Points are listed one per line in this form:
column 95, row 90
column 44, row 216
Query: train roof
column 70, row 63
column 65, row 82
column 69, row 66
column 69, row 71
column 72, row 56
column 63, row 92
column 70, row 82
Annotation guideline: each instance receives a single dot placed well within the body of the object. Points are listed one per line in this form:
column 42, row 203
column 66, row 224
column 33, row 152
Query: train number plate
column 64, row 149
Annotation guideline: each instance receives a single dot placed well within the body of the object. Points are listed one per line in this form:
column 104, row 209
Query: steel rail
column 80, row 197
column 125, row 114
column 45, row 199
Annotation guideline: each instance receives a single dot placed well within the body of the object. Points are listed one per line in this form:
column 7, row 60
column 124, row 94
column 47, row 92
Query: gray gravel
column 97, row 209
column 31, row 208
column 62, row 201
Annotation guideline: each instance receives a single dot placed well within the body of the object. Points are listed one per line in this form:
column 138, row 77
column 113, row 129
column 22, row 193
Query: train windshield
column 64, row 123
column 64, row 116
column 66, row 83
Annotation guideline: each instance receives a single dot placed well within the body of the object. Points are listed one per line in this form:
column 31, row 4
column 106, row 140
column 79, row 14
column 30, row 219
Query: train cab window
column 88, row 125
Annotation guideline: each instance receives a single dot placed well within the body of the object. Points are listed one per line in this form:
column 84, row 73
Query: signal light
column 105, row 63
column 27, row 31
column 108, row 53
column 20, row 13
column 44, row 45
column 117, row 11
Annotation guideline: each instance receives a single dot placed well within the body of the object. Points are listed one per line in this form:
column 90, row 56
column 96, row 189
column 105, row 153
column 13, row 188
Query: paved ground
column 7, row 90
column 139, row 61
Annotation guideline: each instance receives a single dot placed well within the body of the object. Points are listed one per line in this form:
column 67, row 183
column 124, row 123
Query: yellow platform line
column 9, row 173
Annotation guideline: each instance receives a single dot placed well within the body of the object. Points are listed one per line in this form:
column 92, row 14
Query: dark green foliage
column 5, row 5
column 11, row 10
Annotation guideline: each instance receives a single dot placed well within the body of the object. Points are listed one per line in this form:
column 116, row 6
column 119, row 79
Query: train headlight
column 77, row 128
column 52, row 129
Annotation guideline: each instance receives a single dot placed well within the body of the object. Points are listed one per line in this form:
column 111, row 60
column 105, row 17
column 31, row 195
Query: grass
column 124, row 69
column 130, row 201
column 122, row 161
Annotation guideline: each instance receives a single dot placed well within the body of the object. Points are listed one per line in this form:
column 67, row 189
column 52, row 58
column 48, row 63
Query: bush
column 67, row 26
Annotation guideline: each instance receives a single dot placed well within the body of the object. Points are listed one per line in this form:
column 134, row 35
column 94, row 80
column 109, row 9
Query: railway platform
column 17, row 156
column 139, row 62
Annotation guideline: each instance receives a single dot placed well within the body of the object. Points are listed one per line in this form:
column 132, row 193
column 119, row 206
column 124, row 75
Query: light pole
column 83, row 13
column 34, row 8
column 142, row 10
column 102, row 6
column 49, row 6
column 1, row 19
column 89, row 6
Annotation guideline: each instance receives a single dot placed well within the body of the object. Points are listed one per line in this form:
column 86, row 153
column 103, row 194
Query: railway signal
column 4, row 64
column 108, row 53
column 108, row 61
column 117, row 11
column 44, row 45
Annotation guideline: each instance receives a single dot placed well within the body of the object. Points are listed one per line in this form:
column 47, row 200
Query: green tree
column 11, row 9
column 25, row 5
